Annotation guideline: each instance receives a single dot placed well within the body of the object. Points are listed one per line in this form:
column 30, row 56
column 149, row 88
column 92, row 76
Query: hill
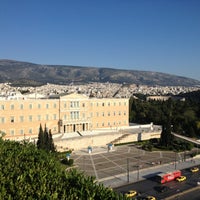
column 25, row 73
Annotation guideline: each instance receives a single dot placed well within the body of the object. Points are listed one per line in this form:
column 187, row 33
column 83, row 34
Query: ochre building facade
column 70, row 113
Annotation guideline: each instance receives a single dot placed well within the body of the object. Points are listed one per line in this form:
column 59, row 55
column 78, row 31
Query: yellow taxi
column 146, row 198
column 181, row 178
column 150, row 198
column 131, row 193
column 194, row 169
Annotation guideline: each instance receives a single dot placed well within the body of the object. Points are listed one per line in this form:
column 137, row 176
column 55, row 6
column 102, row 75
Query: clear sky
column 149, row 35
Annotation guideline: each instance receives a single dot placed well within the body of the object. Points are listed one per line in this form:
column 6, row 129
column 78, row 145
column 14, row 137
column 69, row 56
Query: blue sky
column 149, row 35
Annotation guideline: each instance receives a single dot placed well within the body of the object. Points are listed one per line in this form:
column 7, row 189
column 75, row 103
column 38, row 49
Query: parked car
column 181, row 178
column 131, row 193
column 146, row 198
column 194, row 169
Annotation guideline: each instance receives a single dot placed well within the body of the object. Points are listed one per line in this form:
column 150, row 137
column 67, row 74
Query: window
column 54, row 105
column 103, row 104
column 83, row 104
column 30, row 131
column 47, row 106
column 103, row 114
column 65, row 117
column 108, row 103
column 21, row 106
column 74, row 115
column 30, row 106
column 2, row 107
column 119, row 103
column 2, row 120
column 108, row 113
column 77, row 114
column 71, row 115
column 21, row 132
column 75, row 104
column 54, row 116
column 119, row 112
column 12, row 132
column 12, row 119
column 97, row 114
column 39, row 117
column 65, row 105
column 21, row 118
column 47, row 117
column 114, row 113
column 12, row 107
column 114, row 104
column 39, row 106
column 125, row 103
column 124, row 112
column 30, row 118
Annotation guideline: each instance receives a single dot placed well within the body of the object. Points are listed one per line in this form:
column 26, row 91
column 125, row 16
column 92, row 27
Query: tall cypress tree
column 45, row 140
column 40, row 141
column 166, row 137
column 51, row 143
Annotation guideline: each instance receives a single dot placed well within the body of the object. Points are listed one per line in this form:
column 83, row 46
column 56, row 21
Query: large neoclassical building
column 70, row 113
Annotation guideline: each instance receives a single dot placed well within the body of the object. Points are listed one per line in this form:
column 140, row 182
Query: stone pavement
column 128, row 164
column 135, row 176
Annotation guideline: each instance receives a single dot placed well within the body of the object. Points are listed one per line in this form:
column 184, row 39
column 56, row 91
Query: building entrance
column 68, row 128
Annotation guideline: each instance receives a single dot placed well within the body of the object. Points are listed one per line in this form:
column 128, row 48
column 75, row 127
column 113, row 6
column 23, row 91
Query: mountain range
column 29, row 74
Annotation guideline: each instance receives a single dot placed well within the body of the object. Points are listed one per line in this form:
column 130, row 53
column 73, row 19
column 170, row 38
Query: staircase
column 119, row 139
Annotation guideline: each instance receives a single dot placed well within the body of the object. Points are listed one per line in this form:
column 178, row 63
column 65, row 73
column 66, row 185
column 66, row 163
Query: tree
column 45, row 140
column 51, row 143
column 41, row 140
column 166, row 137
column 30, row 173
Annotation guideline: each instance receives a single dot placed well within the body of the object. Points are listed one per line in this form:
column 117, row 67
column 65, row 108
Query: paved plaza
column 127, row 163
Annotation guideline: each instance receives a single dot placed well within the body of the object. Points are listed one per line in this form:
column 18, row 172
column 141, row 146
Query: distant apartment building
column 164, row 98
column 21, row 118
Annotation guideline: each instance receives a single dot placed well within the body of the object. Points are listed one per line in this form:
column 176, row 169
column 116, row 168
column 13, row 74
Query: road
column 175, row 189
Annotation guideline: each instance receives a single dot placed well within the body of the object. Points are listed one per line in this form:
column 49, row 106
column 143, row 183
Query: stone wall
column 102, row 140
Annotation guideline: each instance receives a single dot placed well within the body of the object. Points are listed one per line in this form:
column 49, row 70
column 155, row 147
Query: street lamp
column 128, row 170
column 175, row 160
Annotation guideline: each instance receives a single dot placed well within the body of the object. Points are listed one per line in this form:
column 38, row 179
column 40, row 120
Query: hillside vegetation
column 184, row 116
column 35, row 74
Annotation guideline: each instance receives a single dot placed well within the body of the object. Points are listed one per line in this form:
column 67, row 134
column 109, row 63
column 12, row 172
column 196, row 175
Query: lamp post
column 175, row 160
column 138, row 168
column 128, row 170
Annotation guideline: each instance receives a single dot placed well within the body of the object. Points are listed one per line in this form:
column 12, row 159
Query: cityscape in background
column 98, row 90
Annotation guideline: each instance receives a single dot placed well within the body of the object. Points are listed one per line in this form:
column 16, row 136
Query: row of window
column 73, row 104
column 28, row 118
column 111, row 125
column 73, row 116
column 30, row 106
column 22, row 132
column 114, row 113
